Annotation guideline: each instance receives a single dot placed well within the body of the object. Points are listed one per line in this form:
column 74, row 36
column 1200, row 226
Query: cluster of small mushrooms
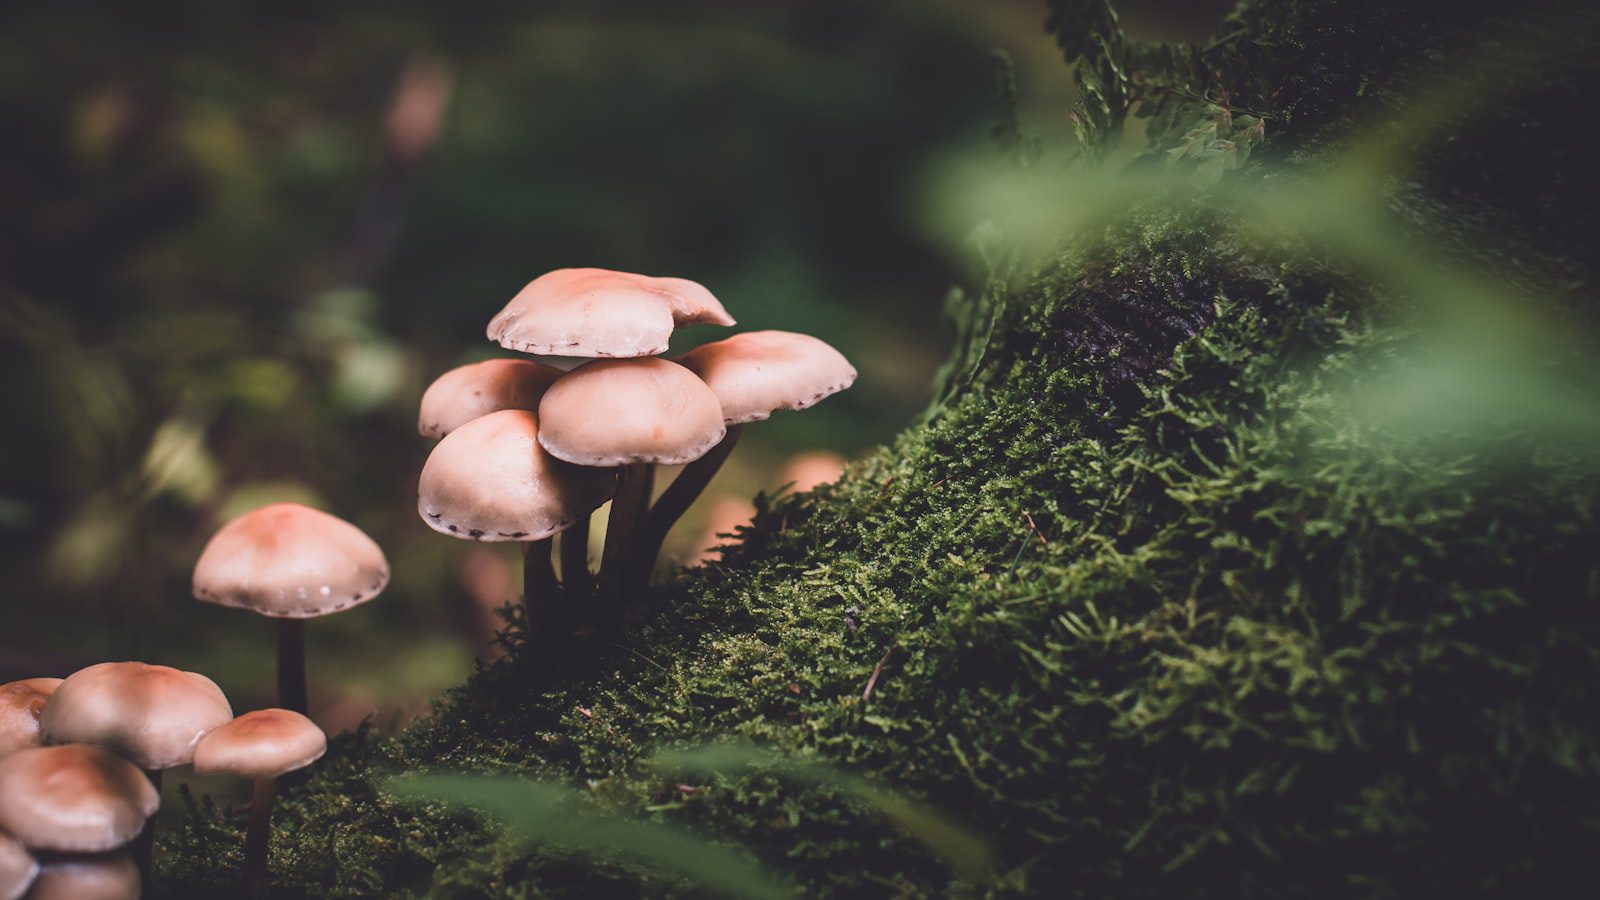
column 81, row 758
column 527, row 451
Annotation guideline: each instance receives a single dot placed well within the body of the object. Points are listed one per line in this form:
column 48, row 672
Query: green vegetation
column 1168, row 596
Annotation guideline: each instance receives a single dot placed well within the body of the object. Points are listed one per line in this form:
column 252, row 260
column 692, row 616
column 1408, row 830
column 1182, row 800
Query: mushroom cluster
column 80, row 772
column 527, row 451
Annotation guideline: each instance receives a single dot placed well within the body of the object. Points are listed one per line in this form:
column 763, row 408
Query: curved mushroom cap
column 756, row 373
column 261, row 744
column 104, row 876
column 73, row 799
column 473, row 391
column 17, row 868
column 152, row 715
column 290, row 562
column 599, row 312
column 623, row 411
column 489, row 480
column 20, row 704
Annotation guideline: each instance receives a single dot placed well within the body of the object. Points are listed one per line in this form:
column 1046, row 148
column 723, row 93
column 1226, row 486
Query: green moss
column 1161, row 610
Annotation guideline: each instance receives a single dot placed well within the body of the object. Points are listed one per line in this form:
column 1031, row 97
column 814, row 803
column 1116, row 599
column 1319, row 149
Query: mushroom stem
column 257, row 834
column 575, row 577
column 622, row 530
column 292, row 664
column 675, row 501
column 143, row 846
column 539, row 585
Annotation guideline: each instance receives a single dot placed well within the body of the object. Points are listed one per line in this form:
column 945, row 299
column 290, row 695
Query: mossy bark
column 1171, row 617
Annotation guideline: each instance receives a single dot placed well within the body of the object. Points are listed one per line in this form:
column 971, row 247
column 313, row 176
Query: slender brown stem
column 675, row 501
column 540, row 590
column 144, row 845
column 257, row 834
column 627, row 513
column 575, row 577
column 292, row 664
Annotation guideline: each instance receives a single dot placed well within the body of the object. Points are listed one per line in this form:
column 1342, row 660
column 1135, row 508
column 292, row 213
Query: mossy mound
column 1154, row 605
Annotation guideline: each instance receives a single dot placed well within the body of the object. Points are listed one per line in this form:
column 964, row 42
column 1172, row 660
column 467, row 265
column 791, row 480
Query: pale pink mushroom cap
column 103, row 876
column 490, row 480
column 152, row 715
column 20, row 704
column 600, row 312
column 73, row 799
column 473, row 391
column 261, row 744
column 18, row 868
column 290, row 561
column 756, row 373
column 618, row 412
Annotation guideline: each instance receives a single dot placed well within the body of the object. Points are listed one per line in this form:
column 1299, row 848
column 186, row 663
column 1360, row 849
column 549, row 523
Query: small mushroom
column 102, row 876
column 600, row 312
column 291, row 563
column 631, row 414
column 491, row 480
column 20, row 704
column 473, row 391
column 752, row 375
column 73, row 799
column 261, row 746
column 18, row 868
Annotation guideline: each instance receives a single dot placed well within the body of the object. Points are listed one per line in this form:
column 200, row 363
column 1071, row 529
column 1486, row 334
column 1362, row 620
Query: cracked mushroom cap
column 152, row 715
column 261, row 744
column 73, row 799
column 290, row 561
column 600, row 312
column 757, row 373
column 490, row 480
column 103, row 876
column 473, row 391
column 17, row 868
column 20, row 705
column 616, row 412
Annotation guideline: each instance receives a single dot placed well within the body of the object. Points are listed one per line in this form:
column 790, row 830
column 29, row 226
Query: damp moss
column 1153, row 605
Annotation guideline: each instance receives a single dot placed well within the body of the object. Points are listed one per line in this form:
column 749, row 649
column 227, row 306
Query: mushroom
column 630, row 414
column 261, row 746
column 20, row 703
column 752, row 375
column 73, row 799
column 291, row 563
column 491, row 480
column 103, row 876
column 600, row 312
column 18, row 868
column 473, row 391
column 150, row 715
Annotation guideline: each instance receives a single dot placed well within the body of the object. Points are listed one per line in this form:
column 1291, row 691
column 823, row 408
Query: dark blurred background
column 236, row 242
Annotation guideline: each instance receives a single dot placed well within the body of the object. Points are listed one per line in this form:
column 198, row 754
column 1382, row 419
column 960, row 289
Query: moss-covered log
column 1149, row 602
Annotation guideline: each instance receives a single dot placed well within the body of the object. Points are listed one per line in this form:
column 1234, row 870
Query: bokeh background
column 237, row 241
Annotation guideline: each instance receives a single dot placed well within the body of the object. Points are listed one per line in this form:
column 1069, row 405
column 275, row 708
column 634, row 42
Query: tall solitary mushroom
column 291, row 563
column 20, row 705
column 261, row 746
column 628, row 414
column 752, row 376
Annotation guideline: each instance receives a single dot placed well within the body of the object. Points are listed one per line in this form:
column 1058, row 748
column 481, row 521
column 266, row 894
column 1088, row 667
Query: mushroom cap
column 473, row 391
column 261, row 744
column 622, row 411
column 290, row 562
column 103, row 876
column 600, row 312
column 489, row 480
column 73, row 799
column 20, row 704
column 152, row 715
column 17, row 868
column 756, row 373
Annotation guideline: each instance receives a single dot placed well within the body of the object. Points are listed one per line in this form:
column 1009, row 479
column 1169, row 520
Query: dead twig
column 876, row 671
column 1042, row 542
